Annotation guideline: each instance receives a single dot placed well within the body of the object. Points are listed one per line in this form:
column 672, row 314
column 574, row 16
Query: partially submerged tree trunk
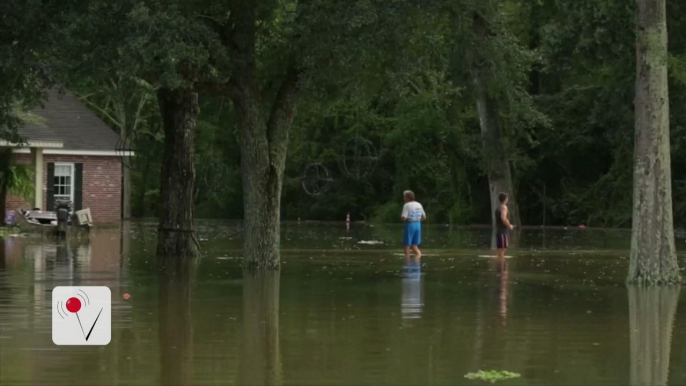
column 260, row 349
column 175, row 322
column 653, row 254
column 495, row 154
column 264, row 142
column 5, row 163
column 179, row 110
column 651, row 316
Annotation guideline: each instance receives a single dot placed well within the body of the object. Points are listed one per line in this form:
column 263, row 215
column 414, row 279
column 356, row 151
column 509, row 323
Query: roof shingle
column 65, row 118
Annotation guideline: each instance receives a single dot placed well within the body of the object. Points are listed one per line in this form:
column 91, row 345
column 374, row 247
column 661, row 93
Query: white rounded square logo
column 81, row 316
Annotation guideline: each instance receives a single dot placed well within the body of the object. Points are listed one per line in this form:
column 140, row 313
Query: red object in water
column 126, row 296
column 582, row 226
column 73, row 305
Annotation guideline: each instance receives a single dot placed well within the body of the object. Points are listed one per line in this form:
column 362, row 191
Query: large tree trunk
column 651, row 315
column 260, row 349
column 264, row 142
column 179, row 110
column 494, row 151
column 175, row 322
column 653, row 254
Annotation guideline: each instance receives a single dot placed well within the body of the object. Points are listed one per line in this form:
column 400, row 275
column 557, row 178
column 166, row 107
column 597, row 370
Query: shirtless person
column 502, row 226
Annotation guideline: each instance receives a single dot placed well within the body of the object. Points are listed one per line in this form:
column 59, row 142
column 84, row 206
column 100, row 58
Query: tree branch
column 101, row 110
column 141, row 104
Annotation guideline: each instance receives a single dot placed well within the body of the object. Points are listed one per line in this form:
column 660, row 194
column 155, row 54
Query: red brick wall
column 101, row 185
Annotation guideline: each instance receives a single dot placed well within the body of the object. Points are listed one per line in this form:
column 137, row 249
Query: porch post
column 37, row 158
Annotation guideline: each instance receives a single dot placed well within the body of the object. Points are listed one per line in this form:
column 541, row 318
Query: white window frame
column 73, row 184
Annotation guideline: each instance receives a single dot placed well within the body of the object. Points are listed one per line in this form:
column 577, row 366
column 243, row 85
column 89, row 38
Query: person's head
column 503, row 198
column 408, row 195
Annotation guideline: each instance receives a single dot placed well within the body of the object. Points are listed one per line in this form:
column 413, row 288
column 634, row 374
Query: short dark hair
column 409, row 195
column 502, row 197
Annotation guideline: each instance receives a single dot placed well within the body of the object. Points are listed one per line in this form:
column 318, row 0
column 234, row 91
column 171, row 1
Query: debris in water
column 370, row 242
column 492, row 375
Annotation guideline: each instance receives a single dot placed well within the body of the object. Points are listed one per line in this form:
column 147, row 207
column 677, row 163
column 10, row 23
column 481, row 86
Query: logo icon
column 81, row 316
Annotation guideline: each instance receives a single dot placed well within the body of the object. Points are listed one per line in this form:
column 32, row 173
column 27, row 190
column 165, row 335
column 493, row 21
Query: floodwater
column 341, row 312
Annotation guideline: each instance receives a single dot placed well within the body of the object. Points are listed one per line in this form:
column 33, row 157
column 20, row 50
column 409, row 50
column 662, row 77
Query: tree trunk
column 261, row 185
column 651, row 315
column 175, row 322
column 264, row 142
column 5, row 163
column 126, row 192
column 653, row 254
column 125, row 171
column 494, row 151
column 260, row 349
column 179, row 110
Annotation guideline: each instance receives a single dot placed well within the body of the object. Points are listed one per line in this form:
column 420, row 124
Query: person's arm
column 423, row 215
column 405, row 214
column 503, row 216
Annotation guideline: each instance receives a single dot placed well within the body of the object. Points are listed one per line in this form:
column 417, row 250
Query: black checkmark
column 96, row 320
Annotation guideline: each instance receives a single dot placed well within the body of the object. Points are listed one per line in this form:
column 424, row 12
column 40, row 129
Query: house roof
column 66, row 119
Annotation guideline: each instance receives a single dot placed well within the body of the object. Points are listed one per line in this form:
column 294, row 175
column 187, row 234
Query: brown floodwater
column 342, row 312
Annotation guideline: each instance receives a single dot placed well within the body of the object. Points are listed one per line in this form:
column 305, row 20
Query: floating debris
column 370, row 242
column 492, row 376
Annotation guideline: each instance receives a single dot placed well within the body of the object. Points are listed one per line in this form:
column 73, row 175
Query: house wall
column 101, row 185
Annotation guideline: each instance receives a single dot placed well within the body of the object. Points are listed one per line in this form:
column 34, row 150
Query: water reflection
column 412, row 302
column 261, row 351
column 651, row 316
column 175, row 327
column 501, row 267
column 343, row 324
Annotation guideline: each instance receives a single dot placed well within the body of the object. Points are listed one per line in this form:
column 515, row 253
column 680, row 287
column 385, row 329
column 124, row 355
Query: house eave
column 96, row 153
column 32, row 143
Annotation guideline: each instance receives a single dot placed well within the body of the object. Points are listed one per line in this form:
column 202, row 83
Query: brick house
column 75, row 157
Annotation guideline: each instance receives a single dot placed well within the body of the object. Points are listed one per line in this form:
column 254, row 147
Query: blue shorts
column 413, row 233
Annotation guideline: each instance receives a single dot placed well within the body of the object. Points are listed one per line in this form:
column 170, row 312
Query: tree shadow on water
column 260, row 348
column 651, row 316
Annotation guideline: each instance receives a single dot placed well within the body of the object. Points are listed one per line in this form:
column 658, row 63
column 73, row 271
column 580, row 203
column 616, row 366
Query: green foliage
column 7, row 231
column 24, row 66
column 218, row 176
column 19, row 181
column 396, row 74
column 388, row 212
column 492, row 376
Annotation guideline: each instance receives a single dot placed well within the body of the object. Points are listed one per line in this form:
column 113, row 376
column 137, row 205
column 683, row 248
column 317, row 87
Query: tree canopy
column 385, row 101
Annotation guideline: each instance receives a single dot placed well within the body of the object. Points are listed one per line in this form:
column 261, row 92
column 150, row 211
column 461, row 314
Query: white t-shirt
column 413, row 211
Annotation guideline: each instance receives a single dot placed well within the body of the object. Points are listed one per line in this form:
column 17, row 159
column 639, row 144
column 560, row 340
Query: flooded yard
column 341, row 312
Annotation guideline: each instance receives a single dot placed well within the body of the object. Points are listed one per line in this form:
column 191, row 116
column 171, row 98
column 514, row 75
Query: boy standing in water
column 412, row 215
column 502, row 225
